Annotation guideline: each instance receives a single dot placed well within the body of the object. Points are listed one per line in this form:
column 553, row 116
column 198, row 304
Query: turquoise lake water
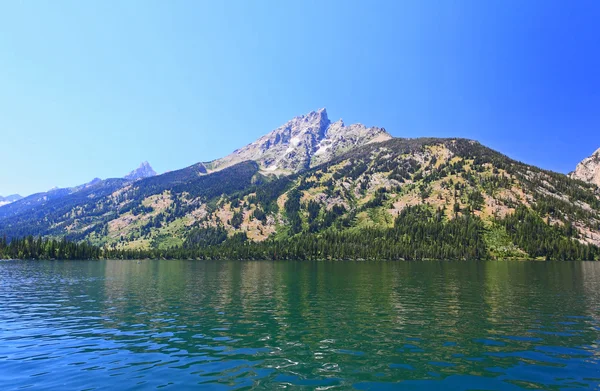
column 106, row 325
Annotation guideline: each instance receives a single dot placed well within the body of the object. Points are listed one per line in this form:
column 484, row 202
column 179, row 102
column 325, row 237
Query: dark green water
column 299, row 325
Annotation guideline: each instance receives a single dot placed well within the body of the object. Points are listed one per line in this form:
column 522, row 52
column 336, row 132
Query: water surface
column 299, row 325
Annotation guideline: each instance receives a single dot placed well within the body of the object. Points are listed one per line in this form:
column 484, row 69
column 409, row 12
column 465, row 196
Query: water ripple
column 301, row 325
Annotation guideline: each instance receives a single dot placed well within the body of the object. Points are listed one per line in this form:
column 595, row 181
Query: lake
column 299, row 325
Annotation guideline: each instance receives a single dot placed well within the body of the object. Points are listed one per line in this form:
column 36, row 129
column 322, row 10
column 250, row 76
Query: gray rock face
column 143, row 171
column 301, row 143
column 589, row 169
column 9, row 199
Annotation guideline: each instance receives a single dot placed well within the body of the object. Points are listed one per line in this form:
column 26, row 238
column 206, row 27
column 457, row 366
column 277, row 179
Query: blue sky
column 92, row 88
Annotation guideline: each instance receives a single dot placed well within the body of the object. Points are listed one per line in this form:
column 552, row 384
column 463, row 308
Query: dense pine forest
column 417, row 234
column 38, row 248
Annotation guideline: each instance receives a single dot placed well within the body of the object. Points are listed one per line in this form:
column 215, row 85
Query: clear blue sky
column 92, row 88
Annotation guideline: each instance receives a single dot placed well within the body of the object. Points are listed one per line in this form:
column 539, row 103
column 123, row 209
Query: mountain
column 33, row 211
column 588, row 170
column 143, row 171
column 407, row 198
column 93, row 188
column 9, row 199
column 301, row 143
column 53, row 197
column 369, row 197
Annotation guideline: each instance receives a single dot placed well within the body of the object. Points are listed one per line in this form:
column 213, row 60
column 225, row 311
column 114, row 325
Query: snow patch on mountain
column 303, row 142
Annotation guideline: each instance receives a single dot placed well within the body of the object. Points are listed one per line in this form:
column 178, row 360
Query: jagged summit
column 588, row 170
column 303, row 142
column 143, row 171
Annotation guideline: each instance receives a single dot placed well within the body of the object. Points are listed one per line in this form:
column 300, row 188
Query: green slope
column 399, row 199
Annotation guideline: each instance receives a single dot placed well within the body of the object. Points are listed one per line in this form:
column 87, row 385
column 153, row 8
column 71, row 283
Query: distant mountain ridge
column 96, row 186
column 588, row 170
column 9, row 199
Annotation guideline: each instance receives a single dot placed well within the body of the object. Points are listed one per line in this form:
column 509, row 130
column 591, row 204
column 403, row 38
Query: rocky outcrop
column 143, row 171
column 302, row 143
column 589, row 169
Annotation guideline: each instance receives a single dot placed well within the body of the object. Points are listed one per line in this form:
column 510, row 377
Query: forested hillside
column 398, row 199
column 409, row 199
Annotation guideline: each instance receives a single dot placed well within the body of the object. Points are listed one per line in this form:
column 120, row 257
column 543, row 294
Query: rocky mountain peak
column 588, row 170
column 143, row 171
column 303, row 142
